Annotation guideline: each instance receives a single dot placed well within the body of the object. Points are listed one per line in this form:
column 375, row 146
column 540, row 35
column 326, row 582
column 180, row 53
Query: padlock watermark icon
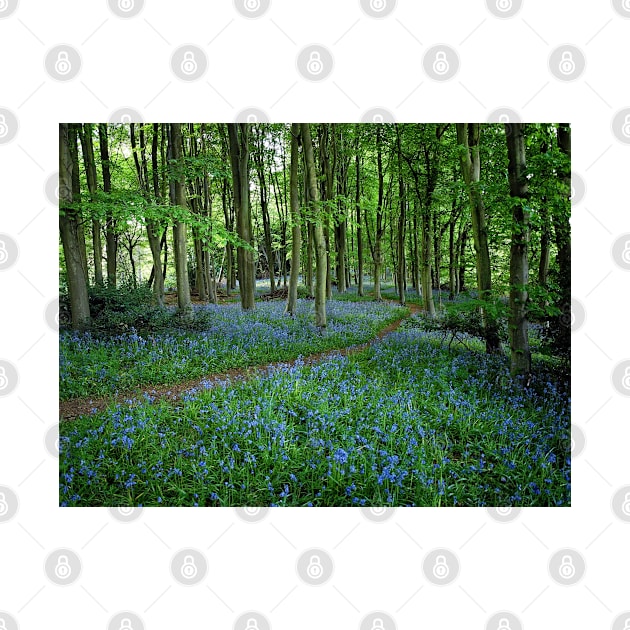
column 62, row 62
column 9, row 504
column 126, row 5
column 252, row 8
column 315, row 65
column 125, row 620
column 4, row 506
column 567, row 567
column 8, row 377
column 315, row 62
column 189, row 62
column 314, row 566
column 378, row 5
column 504, row 620
column 189, row 567
column 63, row 65
column 377, row 620
column 378, row 8
column 63, row 567
column 440, row 566
column 252, row 620
column 504, row 5
column 440, row 63
column 189, row 65
column 567, row 64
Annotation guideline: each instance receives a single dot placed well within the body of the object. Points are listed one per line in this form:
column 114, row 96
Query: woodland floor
column 75, row 407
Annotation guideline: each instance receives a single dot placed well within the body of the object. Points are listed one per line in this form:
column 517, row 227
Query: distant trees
column 434, row 209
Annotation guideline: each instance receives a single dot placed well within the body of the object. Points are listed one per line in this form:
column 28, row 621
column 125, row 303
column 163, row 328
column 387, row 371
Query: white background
column 378, row 62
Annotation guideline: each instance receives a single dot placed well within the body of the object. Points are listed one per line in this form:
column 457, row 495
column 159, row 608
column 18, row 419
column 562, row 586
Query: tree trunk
column 111, row 241
column 296, row 228
column 468, row 138
column 318, row 233
column 238, row 134
column 90, row 174
column 184, row 303
column 68, row 224
column 520, row 363
column 402, row 220
column 359, row 231
column 377, row 255
column 562, row 230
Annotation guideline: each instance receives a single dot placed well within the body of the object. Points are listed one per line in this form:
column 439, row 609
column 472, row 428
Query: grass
column 406, row 422
column 223, row 338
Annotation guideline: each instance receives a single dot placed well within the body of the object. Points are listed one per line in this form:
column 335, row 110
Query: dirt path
column 70, row 409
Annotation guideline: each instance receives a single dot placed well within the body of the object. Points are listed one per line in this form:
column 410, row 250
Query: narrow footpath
column 75, row 407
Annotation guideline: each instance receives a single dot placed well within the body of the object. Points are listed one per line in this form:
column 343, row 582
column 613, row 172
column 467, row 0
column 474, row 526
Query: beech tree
column 184, row 303
column 468, row 139
column 318, row 232
column 238, row 134
column 70, row 235
column 296, row 228
column 520, row 362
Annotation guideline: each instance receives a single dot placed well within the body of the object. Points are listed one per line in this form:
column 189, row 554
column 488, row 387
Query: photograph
column 370, row 315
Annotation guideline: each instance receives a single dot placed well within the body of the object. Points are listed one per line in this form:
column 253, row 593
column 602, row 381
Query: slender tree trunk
column 468, row 138
column 377, row 255
column 296, row 228
column 358, row 219
column 68, row 224
column 111, row 245
column 90, row 175
column 184, row 303
column 238, row 134
column 318, row 233
column 402, row 221
column 520, row 364
column 562, row 230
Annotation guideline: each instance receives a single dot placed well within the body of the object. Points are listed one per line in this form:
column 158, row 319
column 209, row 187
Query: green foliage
column 464, row 319
column 124, row 308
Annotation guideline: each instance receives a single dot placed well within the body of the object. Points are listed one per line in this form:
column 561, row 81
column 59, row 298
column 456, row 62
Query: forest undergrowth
column 409, row 421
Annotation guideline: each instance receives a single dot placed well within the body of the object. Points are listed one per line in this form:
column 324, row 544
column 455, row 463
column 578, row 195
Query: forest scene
column 314, row 314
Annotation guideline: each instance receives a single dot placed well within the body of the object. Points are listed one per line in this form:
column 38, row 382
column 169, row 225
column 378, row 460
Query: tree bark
column 562, row 231
column 318, row 233
column 184, row 303
column 296, row 228
column 68, row 224
column 238, row 134
column 358, row 220
column 520, row 360
column 90, row 175
column 468, row 139
column 111, row 239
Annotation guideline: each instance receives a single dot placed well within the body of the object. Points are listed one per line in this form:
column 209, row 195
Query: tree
column 318, row 232
column 87, row 145
column 70, row 237
column 468, row 139
column 184, row 303
column 296, row 228
column 238, row 135
column 520, row 359
column 111, row 239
